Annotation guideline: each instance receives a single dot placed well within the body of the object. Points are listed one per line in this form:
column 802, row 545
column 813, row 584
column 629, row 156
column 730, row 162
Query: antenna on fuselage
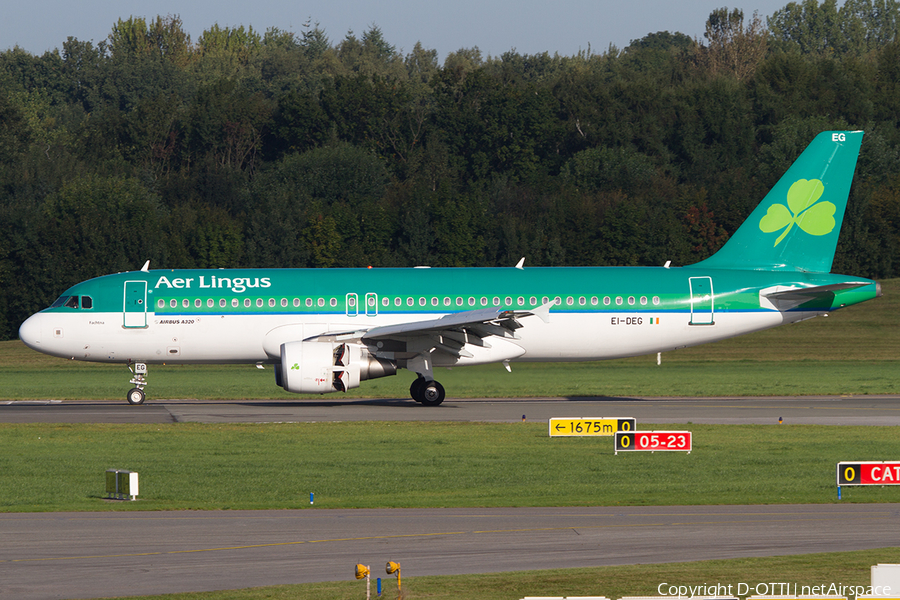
column 146, row 267
column 521, row 264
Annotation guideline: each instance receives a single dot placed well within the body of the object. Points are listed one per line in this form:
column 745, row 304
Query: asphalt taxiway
column 822, row 410
column 87, row 555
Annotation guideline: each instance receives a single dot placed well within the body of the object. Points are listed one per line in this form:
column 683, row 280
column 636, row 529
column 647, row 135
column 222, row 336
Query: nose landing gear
column 136, row 394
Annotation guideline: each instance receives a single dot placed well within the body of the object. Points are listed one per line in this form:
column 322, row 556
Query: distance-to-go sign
column 653, row 441
column 868, row 473
column 607, row 426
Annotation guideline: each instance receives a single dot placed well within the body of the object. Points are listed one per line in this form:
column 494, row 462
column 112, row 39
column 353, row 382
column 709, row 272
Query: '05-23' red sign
column 653, row 441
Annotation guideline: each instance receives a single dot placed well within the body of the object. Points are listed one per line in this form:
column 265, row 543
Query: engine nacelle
column 323, row 367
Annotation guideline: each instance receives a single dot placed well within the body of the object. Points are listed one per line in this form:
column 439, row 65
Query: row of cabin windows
column 398, row 302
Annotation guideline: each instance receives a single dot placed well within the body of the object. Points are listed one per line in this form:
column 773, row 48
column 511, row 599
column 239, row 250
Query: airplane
column 328, row 330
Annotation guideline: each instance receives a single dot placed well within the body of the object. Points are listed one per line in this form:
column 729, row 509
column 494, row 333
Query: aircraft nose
column 30, row 332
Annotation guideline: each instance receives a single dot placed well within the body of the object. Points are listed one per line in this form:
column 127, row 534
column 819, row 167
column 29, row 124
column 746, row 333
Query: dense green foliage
column 290, row 150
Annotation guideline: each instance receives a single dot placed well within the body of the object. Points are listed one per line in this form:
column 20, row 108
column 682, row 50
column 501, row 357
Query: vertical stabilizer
column 796, row 226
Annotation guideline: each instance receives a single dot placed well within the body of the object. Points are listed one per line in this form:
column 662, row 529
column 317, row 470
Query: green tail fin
column 796, row 226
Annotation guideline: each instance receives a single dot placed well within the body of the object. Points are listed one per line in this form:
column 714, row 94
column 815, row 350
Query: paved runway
column 85, row 555
column 88, row 555
column 824, row 410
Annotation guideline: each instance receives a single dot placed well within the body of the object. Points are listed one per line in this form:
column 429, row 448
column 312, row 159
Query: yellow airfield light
column 362, row 572
column 392, row 567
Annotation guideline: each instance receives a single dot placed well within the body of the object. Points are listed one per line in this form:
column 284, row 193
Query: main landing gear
column 136, row 394
column 427, row 393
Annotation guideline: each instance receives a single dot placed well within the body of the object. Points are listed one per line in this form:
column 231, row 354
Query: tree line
column 283, row 149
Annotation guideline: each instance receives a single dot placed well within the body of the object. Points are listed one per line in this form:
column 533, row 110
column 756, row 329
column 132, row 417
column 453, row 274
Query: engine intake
column 323, row 367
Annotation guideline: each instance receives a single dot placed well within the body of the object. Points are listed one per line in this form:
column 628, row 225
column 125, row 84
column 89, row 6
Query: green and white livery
column 327, row 330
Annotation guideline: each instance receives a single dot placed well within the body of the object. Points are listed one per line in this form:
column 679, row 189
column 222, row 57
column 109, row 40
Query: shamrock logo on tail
column 814, row 219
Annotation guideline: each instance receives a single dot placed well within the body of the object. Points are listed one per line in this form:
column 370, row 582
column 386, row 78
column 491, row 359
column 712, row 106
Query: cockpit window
column 86, row 303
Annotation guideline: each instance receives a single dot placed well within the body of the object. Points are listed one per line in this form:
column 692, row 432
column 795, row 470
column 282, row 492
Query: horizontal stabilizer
column 782, row 299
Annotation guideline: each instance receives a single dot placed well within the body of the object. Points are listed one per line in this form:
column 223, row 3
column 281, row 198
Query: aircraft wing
column 487, row 321
column 448, row 334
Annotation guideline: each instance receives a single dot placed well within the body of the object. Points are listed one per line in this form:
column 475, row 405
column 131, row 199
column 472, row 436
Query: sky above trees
column 495, row 26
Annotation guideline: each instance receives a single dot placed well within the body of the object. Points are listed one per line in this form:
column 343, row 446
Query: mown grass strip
column 415, row 464
column 616, row 378
column 838, row 568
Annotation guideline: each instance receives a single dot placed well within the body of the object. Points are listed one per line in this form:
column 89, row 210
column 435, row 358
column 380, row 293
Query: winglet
column 543, row 311
column 521, row 264
column 146, row 267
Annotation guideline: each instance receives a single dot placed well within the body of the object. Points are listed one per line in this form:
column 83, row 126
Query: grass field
column 46, row 467
column 853, row 351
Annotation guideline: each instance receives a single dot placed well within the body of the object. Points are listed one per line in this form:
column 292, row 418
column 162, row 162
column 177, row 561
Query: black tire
column 415, row 389
column 432, row 394
column 135, row 396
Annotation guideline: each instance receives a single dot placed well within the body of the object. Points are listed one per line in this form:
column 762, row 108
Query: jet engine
column 323, row 367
